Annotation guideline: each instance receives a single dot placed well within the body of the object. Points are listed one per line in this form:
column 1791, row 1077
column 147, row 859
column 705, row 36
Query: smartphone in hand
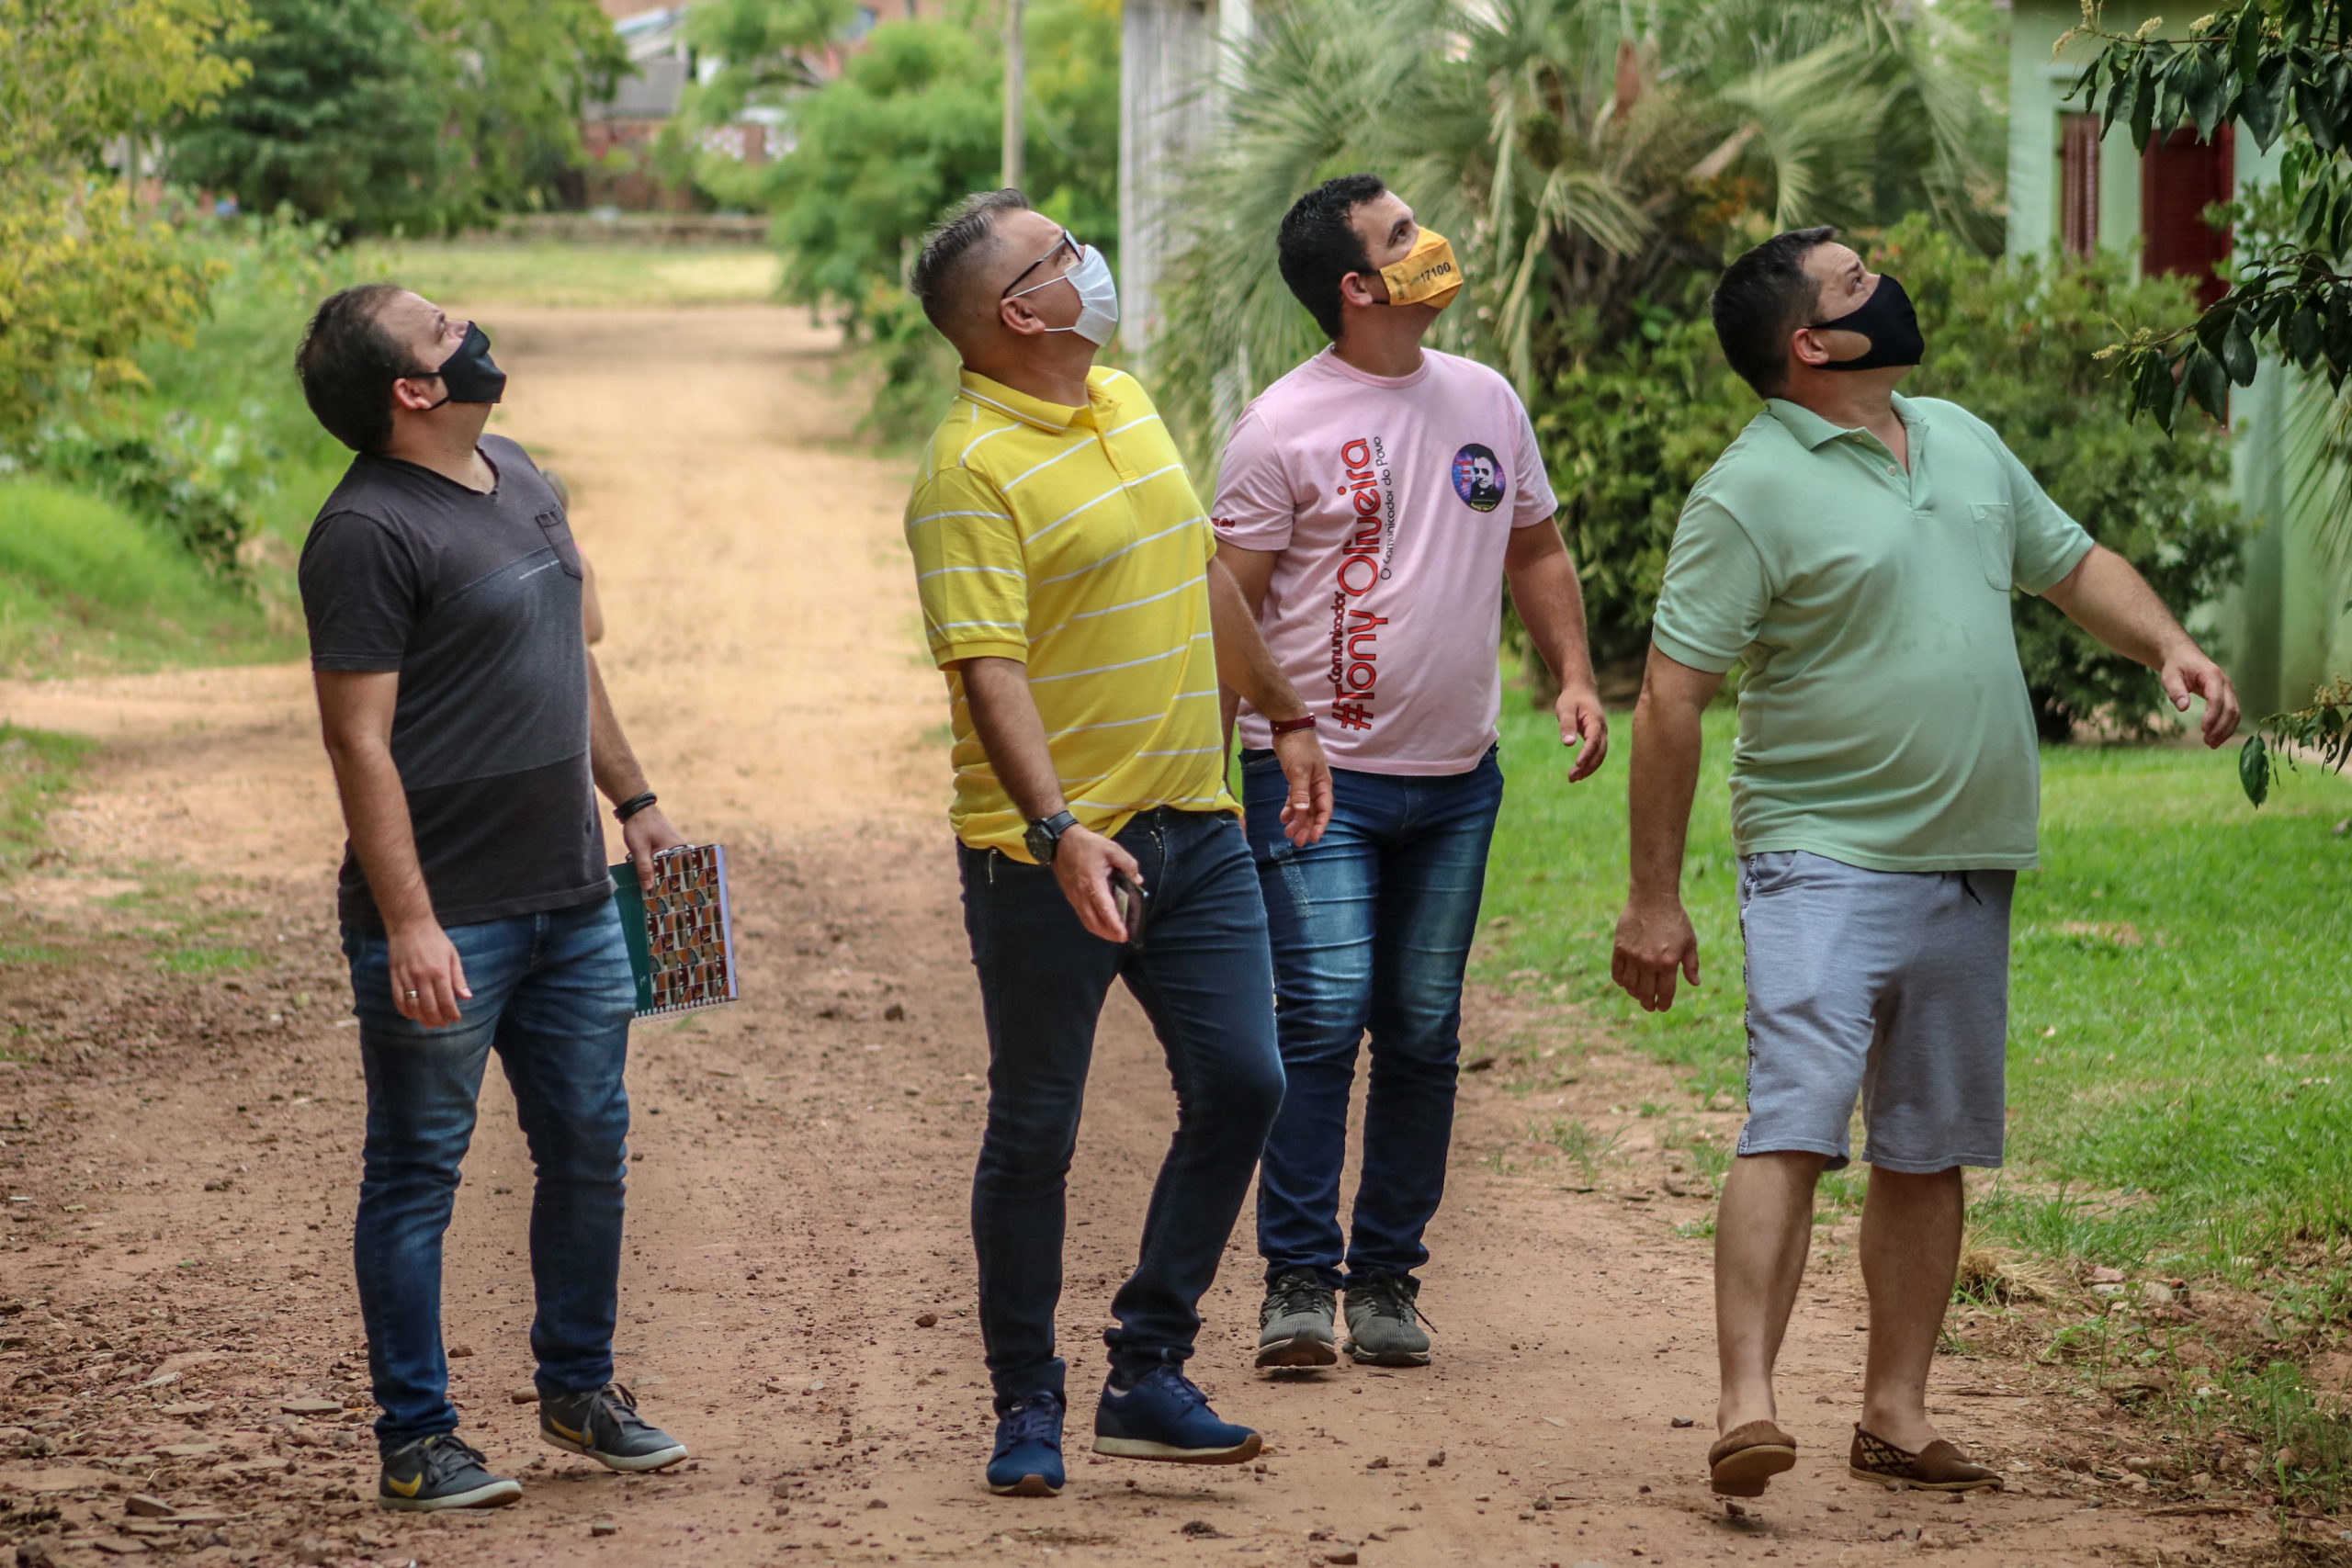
column 1135, row 907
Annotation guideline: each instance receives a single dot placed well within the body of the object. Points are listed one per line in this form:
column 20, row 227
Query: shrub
column 2013, row 343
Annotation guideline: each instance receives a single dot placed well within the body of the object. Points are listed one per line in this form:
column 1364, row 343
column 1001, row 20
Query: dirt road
column 179, row 1149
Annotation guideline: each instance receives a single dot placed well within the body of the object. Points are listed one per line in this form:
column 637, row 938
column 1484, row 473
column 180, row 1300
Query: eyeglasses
column 1064, row 244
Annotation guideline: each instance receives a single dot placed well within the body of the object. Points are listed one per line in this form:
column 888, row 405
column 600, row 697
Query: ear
column 407, row 394
column 1804, row 348
column 1357, row 288
column 1019, row 319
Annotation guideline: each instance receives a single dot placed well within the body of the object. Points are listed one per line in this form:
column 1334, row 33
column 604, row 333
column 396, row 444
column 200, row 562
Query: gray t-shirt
column 475, row 600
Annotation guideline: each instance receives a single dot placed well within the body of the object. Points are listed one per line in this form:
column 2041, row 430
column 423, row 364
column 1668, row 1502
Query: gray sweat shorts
column 1890, row 984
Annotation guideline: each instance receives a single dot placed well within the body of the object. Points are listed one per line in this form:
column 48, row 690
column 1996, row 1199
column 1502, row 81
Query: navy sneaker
column 1028, row 1458
column 603, row 1424
column 441, row 1471
column 1163, row 1417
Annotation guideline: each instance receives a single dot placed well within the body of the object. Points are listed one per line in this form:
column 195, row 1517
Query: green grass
column 489, row 272
column 84, row 585
column 36, row 767
column 2177, row 1051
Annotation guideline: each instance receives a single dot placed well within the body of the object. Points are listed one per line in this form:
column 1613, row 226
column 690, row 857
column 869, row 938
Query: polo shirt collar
column 1033, row 412
column 1814, row 430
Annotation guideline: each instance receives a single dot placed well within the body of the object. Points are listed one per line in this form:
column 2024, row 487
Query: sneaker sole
column 1745, row 1473
column 1362, row 1356
column 1167, row 1453
column 660, row 1458
column 497, row 1494
column 1028, row 1486
column 1305, row 1349
column 1991, row 1482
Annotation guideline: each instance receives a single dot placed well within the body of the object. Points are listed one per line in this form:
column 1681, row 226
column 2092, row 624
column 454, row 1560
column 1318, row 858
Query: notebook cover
column 681, row 939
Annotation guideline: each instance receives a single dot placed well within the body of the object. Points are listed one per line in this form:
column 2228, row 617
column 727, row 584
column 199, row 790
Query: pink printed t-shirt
column 1390, row 502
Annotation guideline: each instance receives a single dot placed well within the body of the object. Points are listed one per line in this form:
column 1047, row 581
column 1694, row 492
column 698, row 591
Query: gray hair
column 960, row 242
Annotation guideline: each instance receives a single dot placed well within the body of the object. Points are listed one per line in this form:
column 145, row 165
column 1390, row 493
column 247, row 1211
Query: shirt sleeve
column 969, row 569
column 1536, row 502
column 1254, row 505
column 361, row 593
column 2048, row 544
column 1716, row 591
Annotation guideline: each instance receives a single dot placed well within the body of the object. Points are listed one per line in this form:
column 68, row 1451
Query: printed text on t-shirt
column 1370, row 485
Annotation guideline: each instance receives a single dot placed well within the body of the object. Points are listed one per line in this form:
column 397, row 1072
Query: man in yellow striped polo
column 1071, row 592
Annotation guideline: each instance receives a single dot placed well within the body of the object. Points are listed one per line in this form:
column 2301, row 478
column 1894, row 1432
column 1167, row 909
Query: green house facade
column 2284, row 631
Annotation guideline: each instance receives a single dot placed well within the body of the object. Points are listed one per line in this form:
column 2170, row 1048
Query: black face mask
column 469, row 375
column 1887, row 320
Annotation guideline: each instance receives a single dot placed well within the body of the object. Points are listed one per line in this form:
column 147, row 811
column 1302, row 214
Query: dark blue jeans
column 1203, row 978
column 553, row 995
column 1371, row 930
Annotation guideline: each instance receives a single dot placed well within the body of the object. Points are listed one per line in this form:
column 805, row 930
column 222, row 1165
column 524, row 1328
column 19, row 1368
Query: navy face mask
column 470, row 376
column 1886, row 319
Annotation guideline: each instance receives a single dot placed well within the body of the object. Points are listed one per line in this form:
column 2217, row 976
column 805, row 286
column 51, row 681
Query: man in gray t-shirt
column 470, row 732
column 1858, row 549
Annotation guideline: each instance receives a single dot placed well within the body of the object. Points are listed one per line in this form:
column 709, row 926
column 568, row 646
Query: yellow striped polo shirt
column 1069, row 538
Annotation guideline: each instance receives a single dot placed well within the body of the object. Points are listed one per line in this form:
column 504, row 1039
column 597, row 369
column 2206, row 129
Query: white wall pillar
column 1168, row 110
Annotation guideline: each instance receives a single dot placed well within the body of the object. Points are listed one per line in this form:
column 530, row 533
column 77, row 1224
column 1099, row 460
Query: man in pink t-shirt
column 1372, row 504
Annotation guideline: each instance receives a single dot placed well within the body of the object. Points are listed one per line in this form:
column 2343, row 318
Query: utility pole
column 1016, row 91
column 1170, row 106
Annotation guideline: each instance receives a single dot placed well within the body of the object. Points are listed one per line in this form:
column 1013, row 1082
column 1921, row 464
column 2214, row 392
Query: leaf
column 2143, row 105
column 2237, row 354
column 2153, row 389
column 2304, row 338
column 2254, row 770
column 2199, row 79
column 2202, row 379
column 2262, row 101
column 2316, row 114
column 2214, row 324
column 2246, row 39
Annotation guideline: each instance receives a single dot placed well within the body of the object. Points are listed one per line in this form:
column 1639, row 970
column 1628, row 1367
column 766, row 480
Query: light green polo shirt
column 1884, row 721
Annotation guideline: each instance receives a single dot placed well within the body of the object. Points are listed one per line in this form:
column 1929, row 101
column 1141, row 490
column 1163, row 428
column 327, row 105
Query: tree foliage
column 84, row 274
column 385, row 114
column 1586, row 157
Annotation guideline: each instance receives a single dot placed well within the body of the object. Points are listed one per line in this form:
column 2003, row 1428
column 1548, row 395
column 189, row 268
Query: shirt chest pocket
column 559, row 540
column 1996, row 543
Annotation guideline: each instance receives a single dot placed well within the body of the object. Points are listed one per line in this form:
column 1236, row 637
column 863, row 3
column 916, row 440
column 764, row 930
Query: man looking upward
column 470, row 732
column 1366, row 513
column 1071, row 593
column 1858, row 549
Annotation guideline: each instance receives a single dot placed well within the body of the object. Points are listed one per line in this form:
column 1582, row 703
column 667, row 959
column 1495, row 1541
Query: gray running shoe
column 604, row 1425
column 1295, row 1323
column 1383, row 1323
column 441, row 1471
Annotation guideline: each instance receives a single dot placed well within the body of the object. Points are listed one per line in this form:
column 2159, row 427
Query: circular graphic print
column 1478, row 478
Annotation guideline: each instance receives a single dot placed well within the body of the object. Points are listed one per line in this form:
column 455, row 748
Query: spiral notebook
column 681, row 942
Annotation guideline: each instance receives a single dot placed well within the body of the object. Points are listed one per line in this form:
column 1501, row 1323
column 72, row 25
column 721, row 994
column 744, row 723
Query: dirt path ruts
column 188, row 1145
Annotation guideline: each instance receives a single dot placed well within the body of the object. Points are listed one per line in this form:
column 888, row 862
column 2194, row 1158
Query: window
column 2178, row 180
column 2079, row 183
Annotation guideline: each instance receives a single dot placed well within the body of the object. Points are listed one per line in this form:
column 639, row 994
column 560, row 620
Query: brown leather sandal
column 1939, row 1467
column 1746, row 1456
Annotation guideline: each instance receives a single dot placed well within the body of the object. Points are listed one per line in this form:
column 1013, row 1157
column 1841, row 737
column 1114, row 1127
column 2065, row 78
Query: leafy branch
column 2322, row 728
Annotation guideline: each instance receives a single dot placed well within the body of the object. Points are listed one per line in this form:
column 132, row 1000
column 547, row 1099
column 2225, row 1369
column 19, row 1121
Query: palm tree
column 1587, row 156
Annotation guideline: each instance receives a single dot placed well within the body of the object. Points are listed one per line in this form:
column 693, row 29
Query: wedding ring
column 411, row 996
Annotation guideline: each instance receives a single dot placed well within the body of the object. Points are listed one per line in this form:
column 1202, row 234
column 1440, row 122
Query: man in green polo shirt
column 1858, row 549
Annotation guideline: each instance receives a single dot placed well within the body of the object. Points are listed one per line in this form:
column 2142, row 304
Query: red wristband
column 1285, row 725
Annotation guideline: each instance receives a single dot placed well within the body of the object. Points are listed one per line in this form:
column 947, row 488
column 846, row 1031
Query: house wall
column 2281, row 630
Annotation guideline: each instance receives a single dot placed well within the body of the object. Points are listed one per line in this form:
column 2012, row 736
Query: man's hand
column 2186, row 669
column 428, row 979
column 1584, row 726
column 644, row 834
column 1308, row 810
column 1654, row 940
column 1083, row 863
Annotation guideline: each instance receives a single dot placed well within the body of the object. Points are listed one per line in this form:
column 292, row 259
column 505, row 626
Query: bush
column 2012, row 342
column 159, row 480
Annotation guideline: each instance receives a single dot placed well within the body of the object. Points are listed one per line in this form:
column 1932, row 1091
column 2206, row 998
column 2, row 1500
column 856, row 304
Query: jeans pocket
column 1996, row 537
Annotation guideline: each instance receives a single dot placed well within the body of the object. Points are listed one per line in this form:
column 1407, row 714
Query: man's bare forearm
column 1244, row 663
column 609, row 756
column 1663, row 779
column 2108, row 598
column 375, row 812
column 1005, row 715
column 1549, row 602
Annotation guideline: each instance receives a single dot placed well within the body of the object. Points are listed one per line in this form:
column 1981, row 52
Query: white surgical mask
column 1098, row 297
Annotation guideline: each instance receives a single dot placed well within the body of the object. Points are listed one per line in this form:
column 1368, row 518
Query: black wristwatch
column 1044, row 836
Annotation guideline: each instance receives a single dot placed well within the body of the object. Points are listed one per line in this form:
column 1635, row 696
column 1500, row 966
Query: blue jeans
column 1203, row 978
column 1371, row 930
column 553, row 994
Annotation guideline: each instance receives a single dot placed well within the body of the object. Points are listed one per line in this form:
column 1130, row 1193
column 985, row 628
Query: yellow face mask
column 1428, row 276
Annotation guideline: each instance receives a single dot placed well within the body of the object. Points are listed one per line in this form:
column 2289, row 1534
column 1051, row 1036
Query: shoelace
column 1033, row 1420
column 1388, row 1298
column 1183, row 1386
column 449, row 1452
column 1297, row 1292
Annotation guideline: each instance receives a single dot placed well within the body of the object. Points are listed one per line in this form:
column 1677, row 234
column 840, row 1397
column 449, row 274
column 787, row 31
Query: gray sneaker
column 1383, row 1323
column 603, row 1424
column 1294, row 1325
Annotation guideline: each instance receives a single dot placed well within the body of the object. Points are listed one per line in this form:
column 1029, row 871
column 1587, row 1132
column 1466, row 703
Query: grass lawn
column 36, row 767
column 2179, row 1072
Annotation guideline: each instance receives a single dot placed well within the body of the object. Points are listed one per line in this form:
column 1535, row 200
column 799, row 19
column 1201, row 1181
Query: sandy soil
column 179, row 1151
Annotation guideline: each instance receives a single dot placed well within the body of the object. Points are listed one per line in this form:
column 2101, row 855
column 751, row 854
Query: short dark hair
column 955, row 245
column 1318, row 245
column 1761, row 299
column 348, row 363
